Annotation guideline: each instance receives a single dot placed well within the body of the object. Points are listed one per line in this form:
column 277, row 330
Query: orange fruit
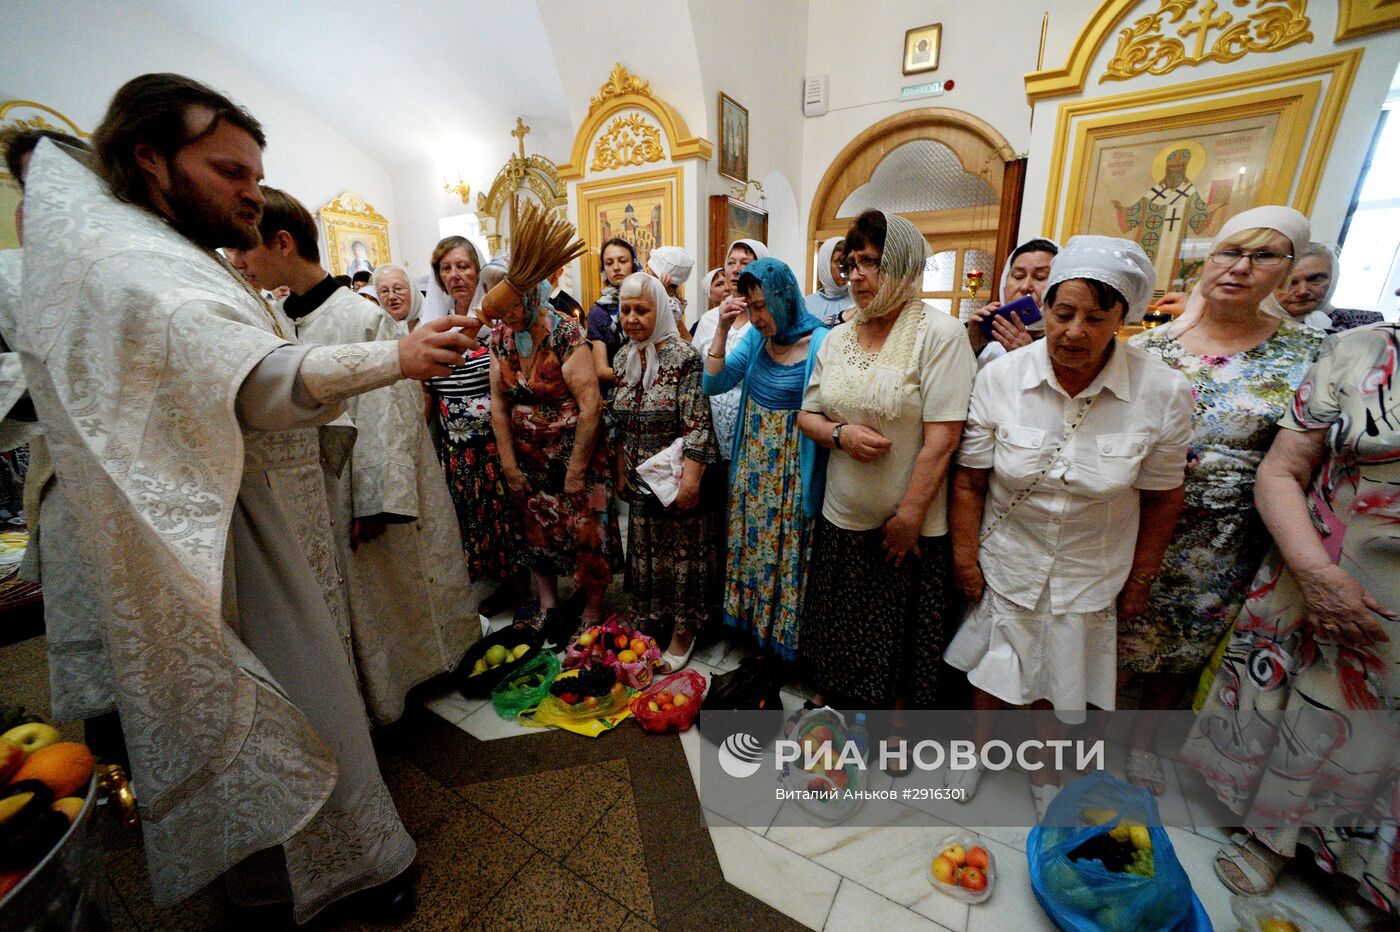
column 626, row 656
column 64, row 767
column 667, row 707
column 639, row 647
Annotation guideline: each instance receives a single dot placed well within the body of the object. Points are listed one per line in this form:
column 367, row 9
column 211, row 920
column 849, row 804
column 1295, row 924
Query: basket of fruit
column 588, row 701
column 962, row 868
column 495, row 657
column 527, row 686
column 632, row 655
column 50, row 863
column 670, row 704
column 1100, row 859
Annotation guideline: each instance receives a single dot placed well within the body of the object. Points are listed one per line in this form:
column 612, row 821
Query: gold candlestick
column 972, row 282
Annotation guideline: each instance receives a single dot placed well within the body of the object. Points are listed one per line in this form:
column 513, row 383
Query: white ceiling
column 412, row 83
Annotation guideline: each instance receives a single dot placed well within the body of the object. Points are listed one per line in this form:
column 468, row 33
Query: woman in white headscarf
column 673, row 265
column 833, row 298
column 460, row 403
column 1244, row 357
column 1306, row 294
column 674, row 546
column 396, row 293
column 1024, row 275
column 1072, row 447
column 888, row 396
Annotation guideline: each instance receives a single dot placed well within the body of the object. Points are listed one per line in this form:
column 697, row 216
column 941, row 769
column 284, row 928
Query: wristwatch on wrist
column 836, row 436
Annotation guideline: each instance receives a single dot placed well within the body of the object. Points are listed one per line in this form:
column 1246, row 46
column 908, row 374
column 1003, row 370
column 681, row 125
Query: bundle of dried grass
column 539, row 244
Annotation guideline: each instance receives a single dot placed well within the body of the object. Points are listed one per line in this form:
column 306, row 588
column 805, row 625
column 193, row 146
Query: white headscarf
column 707, row 283
column 760, row 251
column 638, row 360
column 415, row 304
column 673, row 261
column 1320, row 316
column 1285, row 220
column 1118, row 263
column 1006, row 275
column 829, row 286
column 439, row 303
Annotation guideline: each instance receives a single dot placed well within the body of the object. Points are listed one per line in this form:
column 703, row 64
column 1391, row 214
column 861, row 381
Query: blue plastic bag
column 1084, row 896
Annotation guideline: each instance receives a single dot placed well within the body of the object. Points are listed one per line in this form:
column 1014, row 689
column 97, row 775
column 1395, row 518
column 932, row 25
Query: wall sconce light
column 461, row 189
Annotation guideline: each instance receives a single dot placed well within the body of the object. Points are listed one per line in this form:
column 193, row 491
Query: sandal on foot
column 1041, row 797
column 1145, row 770
column 965, row 780
column 1256, row 866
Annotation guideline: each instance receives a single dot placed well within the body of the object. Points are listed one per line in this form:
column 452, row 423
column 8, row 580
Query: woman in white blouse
column 1072, row 447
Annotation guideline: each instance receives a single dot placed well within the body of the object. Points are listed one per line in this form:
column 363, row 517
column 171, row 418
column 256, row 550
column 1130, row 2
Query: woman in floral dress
column 776, row 473
column 1243, row 360
column 1319, row 634
column 546, row 413
column 673, row 548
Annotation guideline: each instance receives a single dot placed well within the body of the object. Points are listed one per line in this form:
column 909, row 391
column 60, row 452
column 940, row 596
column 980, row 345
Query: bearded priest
column 412, row 613
column 181, row 424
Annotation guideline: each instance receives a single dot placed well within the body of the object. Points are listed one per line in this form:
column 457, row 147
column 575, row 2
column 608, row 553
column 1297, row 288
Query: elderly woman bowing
column 1071, row 448
column 546, row 412
column 673, row 546
column 888, row 396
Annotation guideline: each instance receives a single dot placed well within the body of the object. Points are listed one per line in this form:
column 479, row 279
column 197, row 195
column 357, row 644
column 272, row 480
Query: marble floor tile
column 452, row 705
column 776, row 875
column 889, row 859
column 1005, row 792
column 1012, row 905
column 1197, row 857
column 485, row 725
column 857, row 909
column 1210, row 818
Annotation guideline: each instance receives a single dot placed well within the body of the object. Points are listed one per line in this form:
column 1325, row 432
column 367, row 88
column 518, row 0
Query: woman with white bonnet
column 1244, row 357
column 831, row 303
column 397, row 296
column 1072, row 447
column 1024, row 275
column 460, row 403
column 724, row 408
column 674, row 546
column 1306, row 294
column 673, row 265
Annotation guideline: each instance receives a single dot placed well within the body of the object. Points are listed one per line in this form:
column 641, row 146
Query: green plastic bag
column 527, row 687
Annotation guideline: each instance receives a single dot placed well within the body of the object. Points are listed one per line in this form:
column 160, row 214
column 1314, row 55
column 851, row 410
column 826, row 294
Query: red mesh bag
column 599, row 645
column 686, row 683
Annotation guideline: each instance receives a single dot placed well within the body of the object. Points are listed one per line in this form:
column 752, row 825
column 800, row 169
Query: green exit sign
column 915, row 91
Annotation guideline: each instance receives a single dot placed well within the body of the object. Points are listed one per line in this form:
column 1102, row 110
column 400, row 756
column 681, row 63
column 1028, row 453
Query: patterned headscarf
column 638, row 360
column 830, row 287
column 1119, row 263
column 532, row 299
column 784, row 299
column 902, row 269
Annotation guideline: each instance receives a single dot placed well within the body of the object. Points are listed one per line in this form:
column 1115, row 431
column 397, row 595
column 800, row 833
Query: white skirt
column 1020, row 655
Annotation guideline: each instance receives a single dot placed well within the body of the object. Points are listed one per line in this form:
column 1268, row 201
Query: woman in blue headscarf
column 776, row 473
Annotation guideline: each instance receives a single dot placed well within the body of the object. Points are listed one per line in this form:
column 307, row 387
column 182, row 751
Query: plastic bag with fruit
column 670, row 704
column 587, row 701
column 527, row 687
column 1101, row 861
column 631, row 655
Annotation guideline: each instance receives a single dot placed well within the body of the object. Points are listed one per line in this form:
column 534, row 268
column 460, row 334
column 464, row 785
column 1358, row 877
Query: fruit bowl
column 820, row 726
column 1254, row 913
column 970, row 881
column 476, row 682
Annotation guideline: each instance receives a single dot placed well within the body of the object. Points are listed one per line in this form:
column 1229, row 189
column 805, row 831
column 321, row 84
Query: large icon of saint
column 1171, row 209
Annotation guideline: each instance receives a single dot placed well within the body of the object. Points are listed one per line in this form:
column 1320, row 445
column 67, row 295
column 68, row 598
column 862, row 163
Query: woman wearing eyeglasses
column 1244, row 357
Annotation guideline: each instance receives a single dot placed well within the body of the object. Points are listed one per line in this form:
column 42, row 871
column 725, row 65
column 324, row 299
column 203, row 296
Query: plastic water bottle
column 861, row 736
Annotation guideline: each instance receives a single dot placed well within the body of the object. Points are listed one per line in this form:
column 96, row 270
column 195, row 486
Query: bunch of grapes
column 1141, row 864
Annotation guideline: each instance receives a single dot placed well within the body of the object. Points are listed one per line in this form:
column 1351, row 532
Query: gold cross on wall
column 519, row 133
column 1207, row 22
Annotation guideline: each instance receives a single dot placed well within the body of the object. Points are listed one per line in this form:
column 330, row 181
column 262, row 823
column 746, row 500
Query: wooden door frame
column 876, row 141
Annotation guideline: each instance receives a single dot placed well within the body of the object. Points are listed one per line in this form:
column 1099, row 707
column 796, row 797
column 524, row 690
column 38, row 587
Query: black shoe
column 391, row 903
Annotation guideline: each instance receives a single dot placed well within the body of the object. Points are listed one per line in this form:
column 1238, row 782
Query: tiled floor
column 847, row 878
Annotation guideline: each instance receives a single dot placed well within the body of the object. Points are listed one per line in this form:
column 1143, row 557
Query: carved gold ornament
column 619, row 82
column 628, row 140
column 1186, row 32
